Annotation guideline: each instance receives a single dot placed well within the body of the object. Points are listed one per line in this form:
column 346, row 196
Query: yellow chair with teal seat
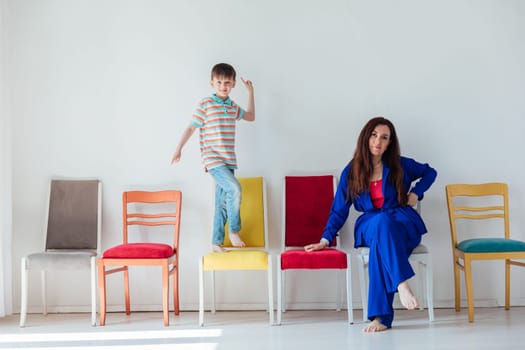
column 488, row 206
column 252, row 257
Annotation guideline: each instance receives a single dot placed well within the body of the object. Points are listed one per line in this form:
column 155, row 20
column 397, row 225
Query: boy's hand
column 176, row 157
column 250, row 108
column 185, row 137
column 248, row 84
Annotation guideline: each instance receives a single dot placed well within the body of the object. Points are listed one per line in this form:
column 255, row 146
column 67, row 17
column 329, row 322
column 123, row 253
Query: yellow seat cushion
column 236, row 260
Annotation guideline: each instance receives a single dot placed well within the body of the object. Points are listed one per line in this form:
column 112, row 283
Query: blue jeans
column 227, row 203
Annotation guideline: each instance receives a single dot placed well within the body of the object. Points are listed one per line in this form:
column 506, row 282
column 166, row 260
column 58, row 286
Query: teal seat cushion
column 491, row 245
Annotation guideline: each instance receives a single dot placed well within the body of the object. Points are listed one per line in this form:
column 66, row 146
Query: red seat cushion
column 327, row 258
column 139, row 251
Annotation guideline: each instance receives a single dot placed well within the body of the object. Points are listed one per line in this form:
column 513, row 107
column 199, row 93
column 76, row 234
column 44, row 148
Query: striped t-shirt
column 216, row 120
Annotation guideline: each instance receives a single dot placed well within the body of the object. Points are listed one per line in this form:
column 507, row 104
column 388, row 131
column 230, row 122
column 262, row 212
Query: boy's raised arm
column 249, row 114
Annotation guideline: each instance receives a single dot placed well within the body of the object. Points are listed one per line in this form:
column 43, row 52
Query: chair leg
column 468, row 282
column 507, row 284
column 126, row 290
column 349, row 298
column 430, row 288
column 166, row 293
column 102, row 292
column 175, row 276
column 93, row 291
column 44, row 290
column 213, row 309
column 420, row 288
column 270, row 290
column 24, row 292
column 363, row 286
column 457, row 281
column 338, row 300
column 201, row 294
column 279, row 291
column 283, row 281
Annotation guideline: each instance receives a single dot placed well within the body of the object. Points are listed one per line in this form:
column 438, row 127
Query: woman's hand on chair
column 315, row 246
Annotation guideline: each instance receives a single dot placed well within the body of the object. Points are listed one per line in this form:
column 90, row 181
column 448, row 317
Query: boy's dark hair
column 223, row 70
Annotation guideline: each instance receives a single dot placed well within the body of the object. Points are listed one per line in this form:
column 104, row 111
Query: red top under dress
column 376, row 193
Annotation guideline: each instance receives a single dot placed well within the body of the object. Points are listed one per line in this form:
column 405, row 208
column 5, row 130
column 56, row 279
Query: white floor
column 494, row 328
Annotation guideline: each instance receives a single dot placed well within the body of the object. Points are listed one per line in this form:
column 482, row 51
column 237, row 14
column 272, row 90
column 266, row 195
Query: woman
column 378, row 182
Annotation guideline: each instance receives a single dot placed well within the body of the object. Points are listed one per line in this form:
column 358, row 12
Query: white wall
column 105, row 88
column 6, row 302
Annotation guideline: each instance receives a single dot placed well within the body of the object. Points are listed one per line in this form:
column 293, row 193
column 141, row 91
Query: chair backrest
column 152, row 208
column 253, row 213
column 487, row 202
column 74, row 215
column 306, row 206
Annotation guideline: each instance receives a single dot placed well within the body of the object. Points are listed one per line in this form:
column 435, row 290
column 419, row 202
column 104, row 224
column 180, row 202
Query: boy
column 216, row 117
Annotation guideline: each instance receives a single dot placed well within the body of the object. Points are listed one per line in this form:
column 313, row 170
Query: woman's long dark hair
column 362, row 167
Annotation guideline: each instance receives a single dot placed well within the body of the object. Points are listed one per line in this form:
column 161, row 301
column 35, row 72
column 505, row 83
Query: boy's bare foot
column 218, row 249
column 406, row 296
column 375, row 326
column 236, row 240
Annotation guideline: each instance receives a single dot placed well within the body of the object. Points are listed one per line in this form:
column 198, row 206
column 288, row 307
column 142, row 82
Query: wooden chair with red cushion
column 145, row 210
column 306, row 205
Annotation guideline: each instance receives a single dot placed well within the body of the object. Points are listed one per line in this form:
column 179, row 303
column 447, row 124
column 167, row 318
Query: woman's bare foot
column 375, row 326
column 406, row 296
column 218, row 249
column 236, row 240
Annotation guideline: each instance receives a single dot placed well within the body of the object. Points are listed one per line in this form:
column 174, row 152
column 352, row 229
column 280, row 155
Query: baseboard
column 438, row 304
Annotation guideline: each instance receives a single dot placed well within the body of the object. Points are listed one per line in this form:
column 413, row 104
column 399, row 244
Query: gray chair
column 72, row 237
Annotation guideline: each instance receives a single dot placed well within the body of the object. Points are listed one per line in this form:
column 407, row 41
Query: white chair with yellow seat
column 254, row 256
